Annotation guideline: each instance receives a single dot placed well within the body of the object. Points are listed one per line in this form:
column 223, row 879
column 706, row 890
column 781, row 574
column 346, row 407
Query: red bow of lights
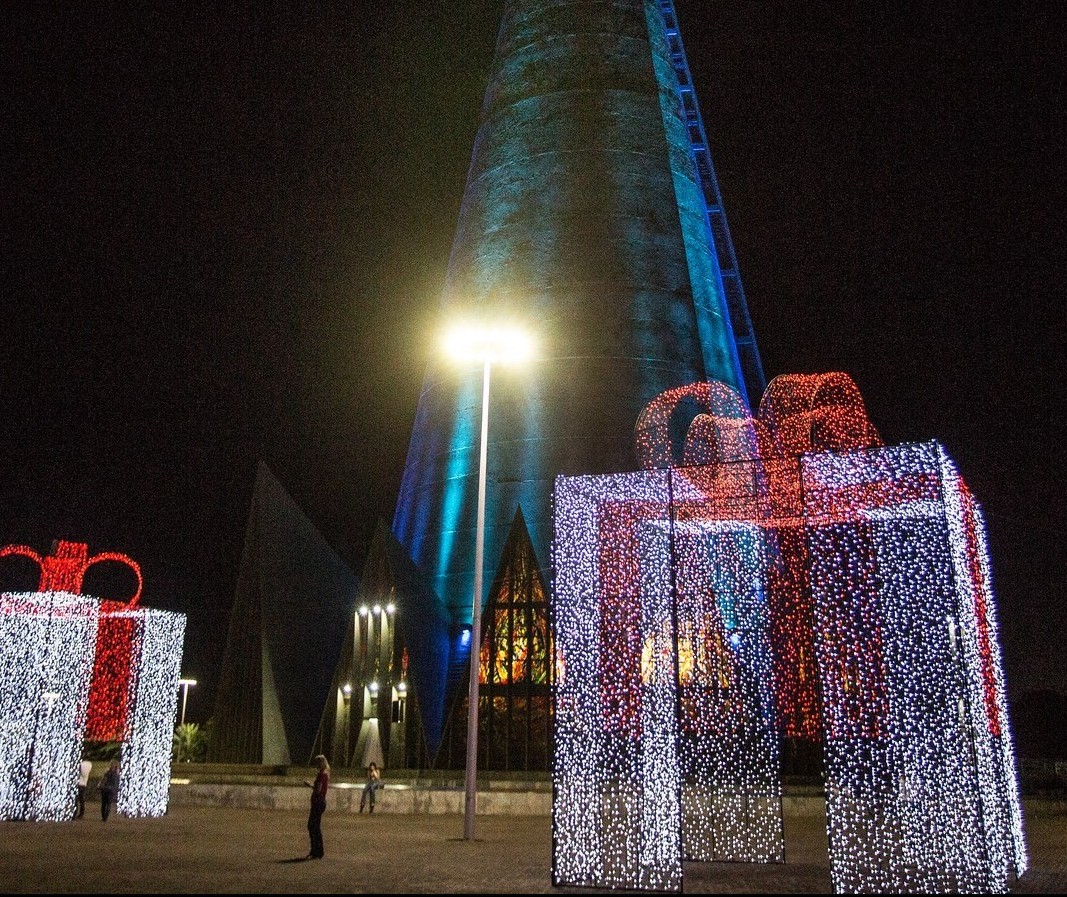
column 747, row 468
column 799, row 413
column 64, row 571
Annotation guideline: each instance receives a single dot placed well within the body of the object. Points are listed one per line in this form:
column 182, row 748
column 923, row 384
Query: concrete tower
column 591, row 215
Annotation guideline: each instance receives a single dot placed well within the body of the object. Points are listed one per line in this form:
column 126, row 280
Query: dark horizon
column 228, row 231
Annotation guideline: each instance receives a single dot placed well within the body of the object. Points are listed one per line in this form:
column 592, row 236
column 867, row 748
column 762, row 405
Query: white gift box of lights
column 676, row 609
column 48, row 644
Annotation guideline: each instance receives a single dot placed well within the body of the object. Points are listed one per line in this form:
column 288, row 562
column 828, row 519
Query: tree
column 189, row 744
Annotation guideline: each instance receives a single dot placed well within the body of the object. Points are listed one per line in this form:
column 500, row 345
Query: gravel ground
column 216, row 850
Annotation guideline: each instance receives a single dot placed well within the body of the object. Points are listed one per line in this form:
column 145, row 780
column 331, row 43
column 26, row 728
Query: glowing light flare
column 507, row 344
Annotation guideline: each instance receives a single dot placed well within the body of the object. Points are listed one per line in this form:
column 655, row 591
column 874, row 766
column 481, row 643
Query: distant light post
column 346, row 691
column 487, row 344
column 185, row 684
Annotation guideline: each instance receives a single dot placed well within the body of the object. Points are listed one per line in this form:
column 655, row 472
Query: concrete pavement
column 199, row 849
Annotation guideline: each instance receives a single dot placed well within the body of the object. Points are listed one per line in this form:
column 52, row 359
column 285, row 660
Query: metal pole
column 185, row 696
column 347, row 701
column 471, row 797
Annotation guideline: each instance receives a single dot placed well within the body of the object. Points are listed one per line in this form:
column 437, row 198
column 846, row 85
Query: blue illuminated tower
column 592, row 215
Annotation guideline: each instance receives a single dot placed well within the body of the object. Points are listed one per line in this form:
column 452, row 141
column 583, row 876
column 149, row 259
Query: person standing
column 109, row 789
column 318, row 806
column 84, row 768
column 374, row 782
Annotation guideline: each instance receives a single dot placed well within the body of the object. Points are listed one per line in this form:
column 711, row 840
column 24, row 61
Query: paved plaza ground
column 226, row 850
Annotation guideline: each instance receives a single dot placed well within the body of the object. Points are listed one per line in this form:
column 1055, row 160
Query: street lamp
column 487, row 344
column 185, row 684
column 346, row 691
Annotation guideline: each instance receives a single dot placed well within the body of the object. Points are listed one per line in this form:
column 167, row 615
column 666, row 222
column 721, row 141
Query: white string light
column 146, row 751
column 638, row 784
column 920, row 772
column 615, row 770
column 47, row 644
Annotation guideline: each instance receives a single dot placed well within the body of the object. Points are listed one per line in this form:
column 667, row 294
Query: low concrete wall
column 345, row 797
column 405, row 797
column 1044, row 807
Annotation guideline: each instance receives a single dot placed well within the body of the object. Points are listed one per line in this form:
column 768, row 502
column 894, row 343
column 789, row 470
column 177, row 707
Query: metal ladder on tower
column 722, row 245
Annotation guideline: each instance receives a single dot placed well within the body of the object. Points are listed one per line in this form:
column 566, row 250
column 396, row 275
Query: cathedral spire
column 590, row 212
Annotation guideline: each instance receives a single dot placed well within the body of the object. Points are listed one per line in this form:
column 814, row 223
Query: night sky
column 225, row 235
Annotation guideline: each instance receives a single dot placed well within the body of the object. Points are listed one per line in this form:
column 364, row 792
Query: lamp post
column 185, row 684
column 486, row 344
column 346, row 693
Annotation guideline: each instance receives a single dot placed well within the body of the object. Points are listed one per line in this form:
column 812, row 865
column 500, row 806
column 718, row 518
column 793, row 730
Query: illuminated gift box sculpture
column 72, row 668
column 791, row 575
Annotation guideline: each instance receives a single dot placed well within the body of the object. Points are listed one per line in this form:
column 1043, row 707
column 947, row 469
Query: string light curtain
column 616, row 803
column 665, row 740
column 47, row 642
column 729, row 750
column 112, row 684
column 794, row 562
column 921, row 793
column 155, row 665
column 994, row 749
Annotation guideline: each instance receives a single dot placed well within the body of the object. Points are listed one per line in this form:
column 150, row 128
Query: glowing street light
column 487, row 344
column 185, row 684
column 476, row 342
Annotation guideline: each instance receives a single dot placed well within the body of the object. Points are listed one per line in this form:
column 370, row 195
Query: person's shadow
column 303, row 859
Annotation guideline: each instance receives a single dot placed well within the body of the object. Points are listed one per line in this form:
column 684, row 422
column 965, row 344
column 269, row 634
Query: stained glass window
column 514, row 668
